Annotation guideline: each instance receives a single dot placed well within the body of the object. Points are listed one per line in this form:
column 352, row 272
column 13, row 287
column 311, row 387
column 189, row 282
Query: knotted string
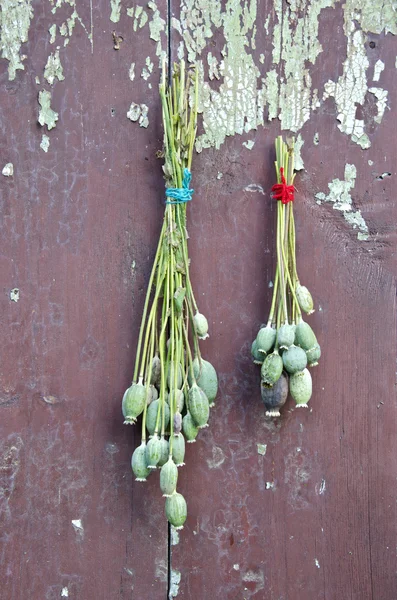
column 183, row 194
column 282, row 191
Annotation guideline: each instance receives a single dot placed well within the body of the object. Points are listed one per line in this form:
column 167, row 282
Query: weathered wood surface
column 313, row 518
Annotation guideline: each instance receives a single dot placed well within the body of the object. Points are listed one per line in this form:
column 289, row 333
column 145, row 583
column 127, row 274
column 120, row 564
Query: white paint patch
column 115, row 6
column 53, row 69
column 321, row 488
column 378, row 68
column 8, row 170
column 15, row 17
column 45, row 142
column 254, row 187
column 262, row 449
column 131, row 72
column 298, row 161
column 269, row 485
column 147, row 69
column 381, row 96
column 174, row 536
column 236, row 567
column 65, row 593
column 316, row 139
column 47, row 116
column 78, row 526
column 139, row 112
column 316, row 563
column 14, row 295
column 218, row 458
column 249, row 144
column 175, row 580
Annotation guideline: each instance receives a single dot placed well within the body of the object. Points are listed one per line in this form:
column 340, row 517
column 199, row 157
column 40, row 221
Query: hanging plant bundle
column 173, row 387
column 287, row 345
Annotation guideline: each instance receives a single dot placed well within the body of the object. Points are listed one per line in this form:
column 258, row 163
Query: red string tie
column 282, row 191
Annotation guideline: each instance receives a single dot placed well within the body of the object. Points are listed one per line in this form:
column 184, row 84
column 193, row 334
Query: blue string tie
column 183, row 194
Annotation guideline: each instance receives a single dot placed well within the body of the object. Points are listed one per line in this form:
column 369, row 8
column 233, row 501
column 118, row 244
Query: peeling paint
column 53, row 32
column 53, row 69
column 218, row 458
column 65, row 593
column 45, row 142
column 249, row 144
column 340, row 196
column 115, row 6
column 139, row 112
column 78, row 527
column 131, row 72
column 298, row 160
column 378, row 68
column 262, row 449
column 8, row 170
column 157, row 24
column 148, row 69
column 316, row 563
column 139, row 15
column 269, row 485
column 47, row 116
column 14, row 295
column 254, row 187
column 174, row 536
column 15, row 17
column 316, row 139
column 175, row 580
column 381, row 97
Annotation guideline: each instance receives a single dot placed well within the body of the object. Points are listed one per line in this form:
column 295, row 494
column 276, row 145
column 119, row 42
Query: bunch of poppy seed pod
column 286, row 345
column 173, row 387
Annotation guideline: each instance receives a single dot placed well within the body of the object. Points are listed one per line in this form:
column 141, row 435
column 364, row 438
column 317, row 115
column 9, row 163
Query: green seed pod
column 304, row 298
column 257, row 357
column 200, row 325
column 171, row 376
column 300, row 385
column 176, row 510
column 189, row 428
column 153, row 452
column 313, row 355
column 138, row 463
column 206, row 378
column 133, row 403
column 168, row 478
column 304, row 336
column 177, row 423
column 178, row 449
column 272, row 368
column 285, row 335
column 265, row 339
column 274, row 397
column 198, row 406
column 152, row 394
column 165, row 451
column 180, row 399
column 151, row 415
column 294, row 359
column 156, row 371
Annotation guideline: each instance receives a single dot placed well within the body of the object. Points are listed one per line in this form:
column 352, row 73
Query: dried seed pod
column 257, row 357
column 294, row 359
column 171, row 376
column 300, row 385
column 152, row 394
column 165, row 451
column 179, row 397
column 151, row 415
column 178, row 449
column 198, row 406
column 168, row 478
column 305, row 336
column 265, row 339
column 304, row 298
column 153, row 452
column 133, row 403
column 138, row 463
column 189, row 428
column 176, row 510
column 206, row 378
column 177, row 423
column 156, row 370
column 272, row 368
column 285, row 335
column 274, row 397
column 200, row 325
column 313, row 355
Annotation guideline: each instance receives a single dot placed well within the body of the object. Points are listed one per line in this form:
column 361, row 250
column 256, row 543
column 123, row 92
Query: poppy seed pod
column 177, row 423
column 153, row 452
column 294, row 359
column 304, row 336
column 189, row 428
column 151, row 415
column 200, row 325
column 179, row 397
column 198, row 406
column 152, row 394
column 156, row 370
column 133, row 403
column 178, row 449
column 274, row 397
column 257, row 357
column 138, row 463
column 313, row 355
column 265, row 339
column 304, row 298
column 171, row 376
column 285, row 335
column 272, row 368
column 176, row 510
column 165, row 451
column 206, row 378
column 300, row 385
column 168, row 478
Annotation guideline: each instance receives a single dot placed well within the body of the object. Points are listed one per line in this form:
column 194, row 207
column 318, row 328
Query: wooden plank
column 78, row 231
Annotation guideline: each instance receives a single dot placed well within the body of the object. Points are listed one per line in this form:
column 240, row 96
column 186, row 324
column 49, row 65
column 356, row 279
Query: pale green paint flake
column 139, row 113
column 375, row 15
column 139, row 15
column 156, row 24
column 147, row 69
column 378, row 68
column 175, row 580
column 381, row 97
column 37, row 80
column 45, row 142
column 340, row 196
column 53, row 69
column 131, row 72
column 53, row 32
column 298, row 161
column 262, row 448
column 212, row 66
column 316, row 139
column 115, row 6
column 271, row 87
column 15, row 17
column 249, row 144
column 262, row 59
column 181, row 51
column 47, row 116
column 63, row 30
column 8, row 170
column 266, row 24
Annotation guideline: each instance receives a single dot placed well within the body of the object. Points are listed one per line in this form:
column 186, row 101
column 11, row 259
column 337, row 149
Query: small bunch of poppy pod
column 173, row 387
column 286, row 345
